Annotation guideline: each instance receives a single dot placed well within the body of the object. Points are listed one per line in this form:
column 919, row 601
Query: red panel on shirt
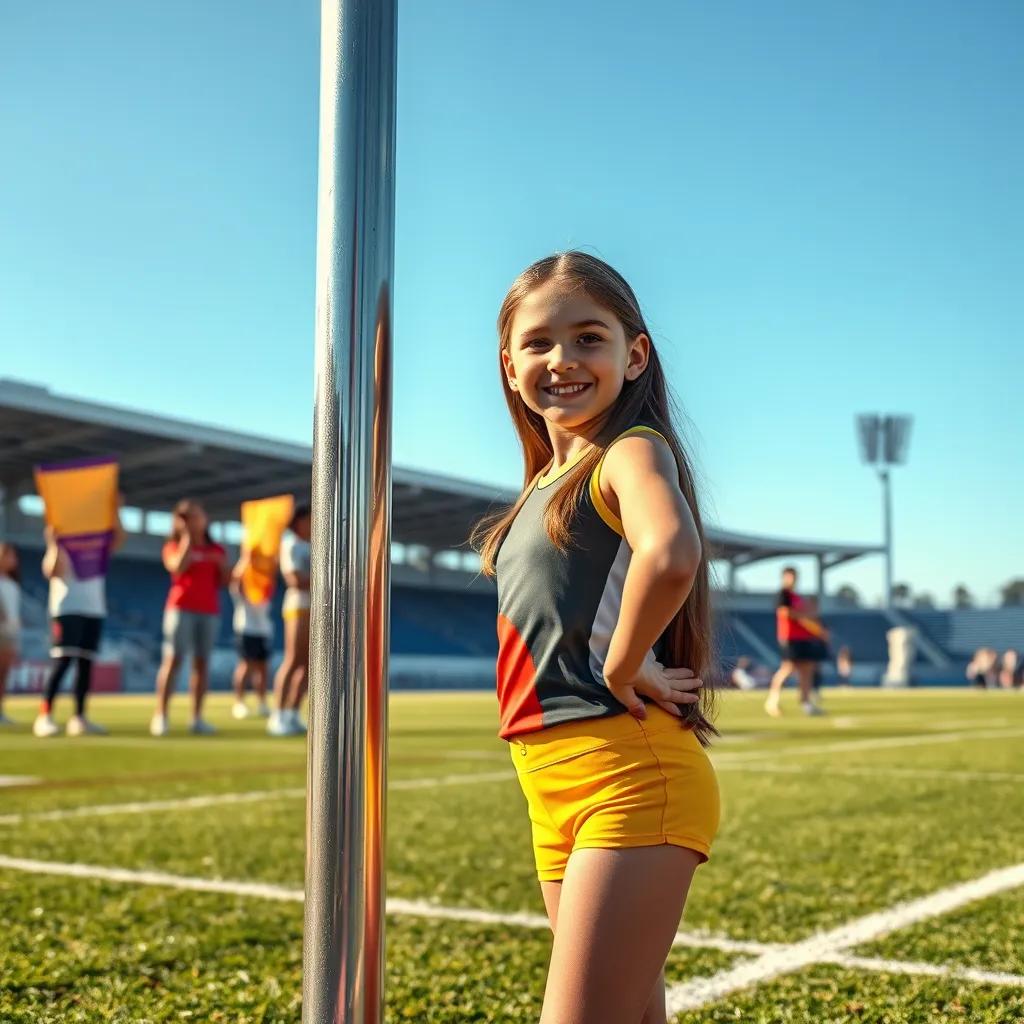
column 788, row 628
column 197, row 588
column 518, row 704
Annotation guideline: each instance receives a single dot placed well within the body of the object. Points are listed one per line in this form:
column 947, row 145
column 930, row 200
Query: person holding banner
column 291, row 677
column 263, row 521
column 83, row 527
column 78, row 608
column 198, row 569
column 253, row 633
column 10, row 618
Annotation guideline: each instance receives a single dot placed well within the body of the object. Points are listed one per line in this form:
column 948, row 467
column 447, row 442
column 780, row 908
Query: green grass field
column 892, row 803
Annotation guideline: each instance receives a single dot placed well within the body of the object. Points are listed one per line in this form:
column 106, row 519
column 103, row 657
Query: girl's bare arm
column 641, row 479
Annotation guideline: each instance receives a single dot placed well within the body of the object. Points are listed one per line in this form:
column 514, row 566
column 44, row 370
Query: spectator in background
column 253, row 633
column 10, row 618
column 1010, row 670
column 290, row 680
column 198, row 569
column 983, row 669
column 78, row 608
column 742, row 675
column 844, row 666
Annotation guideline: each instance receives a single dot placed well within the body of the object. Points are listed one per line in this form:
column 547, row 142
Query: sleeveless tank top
column 557, row 609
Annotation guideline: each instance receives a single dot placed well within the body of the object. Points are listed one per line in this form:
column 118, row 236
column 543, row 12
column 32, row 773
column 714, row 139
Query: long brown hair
column 647, row 399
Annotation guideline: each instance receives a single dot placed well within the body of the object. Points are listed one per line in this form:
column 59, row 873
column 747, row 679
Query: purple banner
column 89, row 553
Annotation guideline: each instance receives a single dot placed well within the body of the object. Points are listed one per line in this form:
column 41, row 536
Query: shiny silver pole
column 343, row 949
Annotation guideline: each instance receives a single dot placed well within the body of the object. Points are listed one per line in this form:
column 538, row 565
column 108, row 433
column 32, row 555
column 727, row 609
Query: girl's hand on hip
column 667, row 687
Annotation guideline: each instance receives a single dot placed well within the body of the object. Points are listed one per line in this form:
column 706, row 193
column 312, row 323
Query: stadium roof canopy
column 162, row 459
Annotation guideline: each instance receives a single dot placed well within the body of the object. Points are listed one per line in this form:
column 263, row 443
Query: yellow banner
column 263, row 523
column 80, row 503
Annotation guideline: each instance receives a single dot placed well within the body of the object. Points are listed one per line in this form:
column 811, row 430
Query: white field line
column 877, row 743
column 698, row 992
column 954, row 774
column 19, row 780
column 400, row 907
column 870, row 963
column 216, row 799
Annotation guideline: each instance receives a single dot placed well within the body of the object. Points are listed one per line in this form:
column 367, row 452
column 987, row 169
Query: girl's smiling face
column 568, row 356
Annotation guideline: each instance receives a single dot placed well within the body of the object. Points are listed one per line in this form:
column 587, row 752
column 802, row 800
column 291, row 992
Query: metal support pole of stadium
column 883, row 475
column 343, row 945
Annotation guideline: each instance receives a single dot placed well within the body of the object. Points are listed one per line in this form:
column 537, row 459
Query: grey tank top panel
column 556, row 612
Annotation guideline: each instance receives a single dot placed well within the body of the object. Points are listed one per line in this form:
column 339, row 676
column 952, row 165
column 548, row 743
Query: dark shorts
column 252, row 647
column 804, row 650
column 75, row 636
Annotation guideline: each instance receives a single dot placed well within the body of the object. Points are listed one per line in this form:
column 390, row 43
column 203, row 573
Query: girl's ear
column 638, row 356
column 510, row 373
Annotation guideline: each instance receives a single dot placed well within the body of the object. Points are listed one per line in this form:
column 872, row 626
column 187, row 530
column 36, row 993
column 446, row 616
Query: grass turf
column 824, row 820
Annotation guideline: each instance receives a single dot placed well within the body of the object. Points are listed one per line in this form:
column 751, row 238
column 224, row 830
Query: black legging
column 83, row 677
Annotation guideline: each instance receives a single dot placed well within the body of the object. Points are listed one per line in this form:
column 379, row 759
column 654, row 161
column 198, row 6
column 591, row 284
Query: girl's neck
column 567, row 444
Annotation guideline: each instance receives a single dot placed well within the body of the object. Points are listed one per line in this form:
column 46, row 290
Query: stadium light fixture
column 343, row 942
column 884, row 441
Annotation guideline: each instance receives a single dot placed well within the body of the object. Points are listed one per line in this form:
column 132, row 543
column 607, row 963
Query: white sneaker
column 263, row 710
column 200, row 727
column 279, row 724
column 239, row 710
column 812, row 709
column 4, row 720
column 79, row 725
column 45, row 726
column 158, row 725
column 771, row 707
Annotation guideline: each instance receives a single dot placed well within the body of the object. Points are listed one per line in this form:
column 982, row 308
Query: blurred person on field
column 291, row 678
column 198, row 569
column 254, row 631
column 742, row 674
column 10, row 618
column 78, row 609
column 801, row 644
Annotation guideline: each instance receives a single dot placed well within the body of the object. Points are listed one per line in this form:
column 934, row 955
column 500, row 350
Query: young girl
column 292, row 674
column 78, row 608
column 198, row 569
column 604, row 632
column 253, row 633
column 10, row 618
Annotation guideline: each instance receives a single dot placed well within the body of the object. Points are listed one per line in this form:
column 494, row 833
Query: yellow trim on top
column 549, row 478
column 610, row 518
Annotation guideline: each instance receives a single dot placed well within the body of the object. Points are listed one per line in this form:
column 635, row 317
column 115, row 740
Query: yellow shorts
column 610, row 783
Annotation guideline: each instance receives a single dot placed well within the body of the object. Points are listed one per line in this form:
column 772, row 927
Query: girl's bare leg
column 165, row 677
column 300, row 673
column 287, row 666
column 238, row 679
column 616, row 914
column 805, row 678
column 198, row 683
column 259, row 680
column 655, row 1013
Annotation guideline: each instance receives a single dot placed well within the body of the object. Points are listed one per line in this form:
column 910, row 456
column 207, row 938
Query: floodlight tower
column 883, row 443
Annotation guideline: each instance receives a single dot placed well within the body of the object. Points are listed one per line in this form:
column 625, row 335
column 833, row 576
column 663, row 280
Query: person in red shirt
column 801, row 644
column 198, row 569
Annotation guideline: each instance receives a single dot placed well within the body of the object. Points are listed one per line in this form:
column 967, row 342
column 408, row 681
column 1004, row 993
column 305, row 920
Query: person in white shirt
column 253, row 633
column 77, row 610
column 10, row 618
column 290, row 680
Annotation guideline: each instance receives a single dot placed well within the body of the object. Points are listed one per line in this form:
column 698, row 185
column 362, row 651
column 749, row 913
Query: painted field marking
column 954, row 774
column 216, row 799
column 870, row 963
column 399, row 907
column 699, row 992
column 876, row 743
column 19, row 780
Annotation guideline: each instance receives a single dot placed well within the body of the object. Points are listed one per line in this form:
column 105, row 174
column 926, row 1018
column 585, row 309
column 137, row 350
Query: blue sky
column 819, row 205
